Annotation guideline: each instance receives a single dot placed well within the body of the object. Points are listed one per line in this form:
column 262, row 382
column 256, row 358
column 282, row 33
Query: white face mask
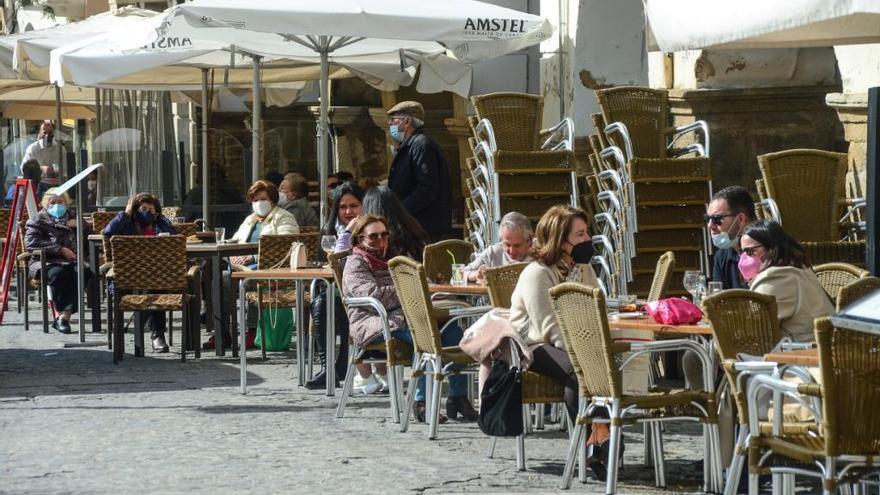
column 282, row 198
column 262, row 207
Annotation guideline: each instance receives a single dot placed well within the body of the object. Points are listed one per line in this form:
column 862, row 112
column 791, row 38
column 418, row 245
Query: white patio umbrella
column 472, row 30
column 691, row 24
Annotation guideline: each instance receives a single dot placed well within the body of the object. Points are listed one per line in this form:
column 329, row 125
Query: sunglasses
column 717, row 219
column 376, row 235
column 751, row 250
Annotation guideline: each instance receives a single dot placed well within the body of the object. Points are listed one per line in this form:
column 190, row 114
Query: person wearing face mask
column 143, row 216
column 46, row 151
column 293, row 196
column 516, row 240
column 731, row 209
column 53, row 231
column 419, row 174
column 562, row 251
column 775, row 264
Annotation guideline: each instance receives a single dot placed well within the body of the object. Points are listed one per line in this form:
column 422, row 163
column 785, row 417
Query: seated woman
column 562, row 251
column 775, row 264
column 267, row 219
column 346, row 207
column 52, row 231
column 366, row 275
column 143, row 216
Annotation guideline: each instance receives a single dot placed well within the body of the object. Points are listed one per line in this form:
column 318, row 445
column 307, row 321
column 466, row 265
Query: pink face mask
column 749, row 266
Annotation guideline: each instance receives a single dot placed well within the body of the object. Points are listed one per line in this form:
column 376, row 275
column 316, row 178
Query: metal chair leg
column 347, row 385
column 577, row 443
column 435, row 397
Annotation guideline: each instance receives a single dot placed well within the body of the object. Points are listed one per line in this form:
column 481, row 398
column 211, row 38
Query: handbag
column 501, row 402
column 299, row 255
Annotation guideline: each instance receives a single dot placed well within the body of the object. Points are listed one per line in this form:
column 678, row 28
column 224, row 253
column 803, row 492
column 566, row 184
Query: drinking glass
column 458, row 274
column 179, row 220
column 626, row 303
column 328, row 244
column 220, row 234
column 713, row 288
column 692, row 283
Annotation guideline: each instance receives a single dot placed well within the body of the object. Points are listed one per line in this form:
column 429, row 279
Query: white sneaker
column 366, row 386
column 383, row 380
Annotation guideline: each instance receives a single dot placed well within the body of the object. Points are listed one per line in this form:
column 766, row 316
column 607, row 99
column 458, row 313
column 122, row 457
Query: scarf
column 376, row 263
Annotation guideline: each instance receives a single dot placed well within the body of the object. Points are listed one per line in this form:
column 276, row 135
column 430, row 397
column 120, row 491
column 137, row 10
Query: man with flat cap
column 419, row 174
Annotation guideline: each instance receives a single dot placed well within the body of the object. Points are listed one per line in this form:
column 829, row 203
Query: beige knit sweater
column 531, row 312
column 800, row 299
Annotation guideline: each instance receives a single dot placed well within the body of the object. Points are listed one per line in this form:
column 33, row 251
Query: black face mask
column 582, row 252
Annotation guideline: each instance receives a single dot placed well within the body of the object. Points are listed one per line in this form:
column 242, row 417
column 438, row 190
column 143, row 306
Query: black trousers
column 319, row 326
column 62, row 280
column 550, row 361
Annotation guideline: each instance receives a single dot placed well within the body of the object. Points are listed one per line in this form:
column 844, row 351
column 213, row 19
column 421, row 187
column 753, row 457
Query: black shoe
column 456, row 406
column 319, row 382
column 159, row 344
column 63, row 326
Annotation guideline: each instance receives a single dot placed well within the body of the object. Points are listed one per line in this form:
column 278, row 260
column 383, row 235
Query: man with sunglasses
column 419, row 175
column 731, row 209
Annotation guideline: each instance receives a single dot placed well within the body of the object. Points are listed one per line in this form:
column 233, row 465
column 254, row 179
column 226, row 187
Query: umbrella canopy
column 692, row 24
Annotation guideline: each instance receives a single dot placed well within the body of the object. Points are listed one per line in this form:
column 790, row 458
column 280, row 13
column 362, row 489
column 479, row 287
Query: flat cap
column 412, row 108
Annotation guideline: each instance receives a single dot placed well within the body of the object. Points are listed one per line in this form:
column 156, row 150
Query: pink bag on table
column 674, row 311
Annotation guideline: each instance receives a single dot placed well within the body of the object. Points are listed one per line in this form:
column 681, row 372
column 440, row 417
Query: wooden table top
column 648, row 323
column 210, row 247
column 802, row 357
column 285, row 274
column 469, row 290
column 96, row 237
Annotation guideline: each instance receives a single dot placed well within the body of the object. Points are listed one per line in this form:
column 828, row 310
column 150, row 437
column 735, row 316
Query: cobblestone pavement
column 72, row 422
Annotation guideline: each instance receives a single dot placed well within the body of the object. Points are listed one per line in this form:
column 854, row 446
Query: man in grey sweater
column 513, row 247
column 294, row 197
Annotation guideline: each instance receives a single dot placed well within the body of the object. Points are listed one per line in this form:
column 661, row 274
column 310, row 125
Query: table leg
column 217, row 306
column 96, row 282
column 242, row 318
column 300, row 334
column 330, row 349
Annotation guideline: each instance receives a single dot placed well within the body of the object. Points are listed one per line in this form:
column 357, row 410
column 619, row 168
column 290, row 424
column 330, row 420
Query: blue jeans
column 450, row 337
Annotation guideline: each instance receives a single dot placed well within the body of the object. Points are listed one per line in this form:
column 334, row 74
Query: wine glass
column 692, row 282
column 328, row 244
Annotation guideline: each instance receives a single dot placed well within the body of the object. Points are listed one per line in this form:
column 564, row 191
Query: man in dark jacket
column 731, row 209
column 419, row 174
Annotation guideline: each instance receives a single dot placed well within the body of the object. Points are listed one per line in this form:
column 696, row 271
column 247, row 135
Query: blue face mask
column 57, row 210
column 145, row 217
column 395, row 133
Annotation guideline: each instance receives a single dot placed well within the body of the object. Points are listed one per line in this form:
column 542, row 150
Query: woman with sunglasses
column 775, row 264
column 366, row 274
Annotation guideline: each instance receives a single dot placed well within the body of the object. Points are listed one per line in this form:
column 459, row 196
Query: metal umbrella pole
column 323, row 131
column 206, row 190
column 256, row 113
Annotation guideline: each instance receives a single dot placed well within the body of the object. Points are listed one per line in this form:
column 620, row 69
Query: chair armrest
column 792, row 346
column 781, row 389
column 638, row 348
column 811, row 389
column 371, row 302
column 562, row 134
column 698, row 126
column 619, row 129
column 194, row 272
column 770, row 205
column 614, row 157
column 35, row 253
column 468, row 311
column 751, row 366
column 106, row 267
column 484, row 128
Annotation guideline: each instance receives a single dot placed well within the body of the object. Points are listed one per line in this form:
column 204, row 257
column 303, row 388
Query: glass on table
column 692, row 283
column 458, row 277
column 220, row 235
column 714, row 287
column 626, row 303
column 328, row 244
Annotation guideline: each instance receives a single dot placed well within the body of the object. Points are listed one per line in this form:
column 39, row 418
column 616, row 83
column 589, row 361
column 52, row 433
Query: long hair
column 410, row 237
column 552, row 232
column 782, row 249
column 340, row 191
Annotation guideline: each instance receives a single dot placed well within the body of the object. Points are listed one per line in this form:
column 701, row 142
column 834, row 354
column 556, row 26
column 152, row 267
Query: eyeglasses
column 376, row 235
column 717, row 219
column 751, row 249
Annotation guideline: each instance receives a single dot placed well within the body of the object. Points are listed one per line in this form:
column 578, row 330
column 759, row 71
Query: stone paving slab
column 72, row 422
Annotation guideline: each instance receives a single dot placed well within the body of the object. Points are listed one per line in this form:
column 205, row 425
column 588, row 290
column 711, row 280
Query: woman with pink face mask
column 775, row 264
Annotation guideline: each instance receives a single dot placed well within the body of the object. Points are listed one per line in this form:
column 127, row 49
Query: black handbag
column 501, row 402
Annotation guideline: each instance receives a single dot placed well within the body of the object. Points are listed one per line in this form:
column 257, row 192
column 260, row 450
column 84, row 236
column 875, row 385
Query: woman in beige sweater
column 562, row 251
column 775, row 264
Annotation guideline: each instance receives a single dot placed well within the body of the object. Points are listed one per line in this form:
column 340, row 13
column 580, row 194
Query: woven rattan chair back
column 438, row 263
column 412, row 290
column 599, row 124
column 149, row 263
column 854, row 291
column 849, row 363
column 275, row 249
column 662, row 276
column 337, row 263
column 100, row 219
column 644, row 111
column 172, row 212
column 833, row 276
column 583, row 319
column 186, row 229
column 808, row 187
column 501, row 282
column 743, row 322
column 515, row 117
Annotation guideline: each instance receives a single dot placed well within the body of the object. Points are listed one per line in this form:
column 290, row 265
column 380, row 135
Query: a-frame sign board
column 25, row 197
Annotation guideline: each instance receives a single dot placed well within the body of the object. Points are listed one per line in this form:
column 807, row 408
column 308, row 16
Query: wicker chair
column 808, row 188
column 846, row 442
column 186, row 229
column 172, row 212
column 662, row 276
column 852, row 252
column 38, row 283
column 150, row 274
column 422, row 318
column 856, row 290
column 437, row 261
column 396, row 353
column 501, row 281
column 583, row 320
column 833, row 276
column 100, row 219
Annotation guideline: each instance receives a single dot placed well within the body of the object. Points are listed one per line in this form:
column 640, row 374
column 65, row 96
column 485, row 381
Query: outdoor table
column 300, row 276
column 800, row 357
column 219, row 316
column 462, row 290
column 95, row 241
column 648, row 323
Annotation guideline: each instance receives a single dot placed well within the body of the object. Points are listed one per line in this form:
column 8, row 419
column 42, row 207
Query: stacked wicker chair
column 856, row 290
column 515, row 168
column 655, row 192
column 834, row 276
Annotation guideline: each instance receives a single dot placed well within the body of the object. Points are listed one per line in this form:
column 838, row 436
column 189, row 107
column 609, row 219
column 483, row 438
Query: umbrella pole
column 323, row 134
column 206, row 191
column 80, row 275
column 58, row 128
column 255, row 127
